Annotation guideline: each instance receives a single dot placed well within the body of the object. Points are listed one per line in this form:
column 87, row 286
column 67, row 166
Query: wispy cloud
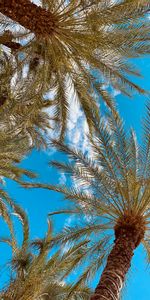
column 77, row 127
column 115, row 93
column 62, row 179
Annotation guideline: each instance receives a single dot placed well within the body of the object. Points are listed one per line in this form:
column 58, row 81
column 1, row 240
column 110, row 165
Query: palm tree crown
column 87, row 49
column 111, row 196
column 37, row 273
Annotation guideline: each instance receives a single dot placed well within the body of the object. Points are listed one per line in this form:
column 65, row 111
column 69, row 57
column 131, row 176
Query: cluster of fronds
column 18, row 134
column 22, row 110
column 13, row 148
column 88, row 49
column 36, row 273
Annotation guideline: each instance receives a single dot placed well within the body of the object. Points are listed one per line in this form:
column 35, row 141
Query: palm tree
column 76, row 48
column 36, row 273
column 110, row 199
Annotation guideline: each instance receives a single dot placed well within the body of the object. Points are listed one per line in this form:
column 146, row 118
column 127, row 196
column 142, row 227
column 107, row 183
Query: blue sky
column 38, row 203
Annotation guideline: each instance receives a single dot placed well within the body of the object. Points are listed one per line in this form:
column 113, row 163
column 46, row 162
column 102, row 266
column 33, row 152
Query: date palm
column 35, row 273
column 75, row 48
column 110, row 197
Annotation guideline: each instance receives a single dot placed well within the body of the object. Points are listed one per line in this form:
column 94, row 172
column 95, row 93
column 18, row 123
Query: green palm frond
column 7, row 209
column 61, row 104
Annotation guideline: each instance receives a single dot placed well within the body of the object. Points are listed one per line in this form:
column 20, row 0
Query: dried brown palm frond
column 37, row 274
column 111, row 200
column 71, row 44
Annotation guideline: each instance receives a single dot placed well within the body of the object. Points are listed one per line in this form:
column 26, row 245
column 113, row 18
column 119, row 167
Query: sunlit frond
column 84, row 50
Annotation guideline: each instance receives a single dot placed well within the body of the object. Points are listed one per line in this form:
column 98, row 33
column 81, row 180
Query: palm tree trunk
column 117, row 266
column 32, row 17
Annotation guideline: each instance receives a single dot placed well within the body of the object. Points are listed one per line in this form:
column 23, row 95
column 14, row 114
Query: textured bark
column 33, row 17
column 129, row 231
column 117, row 266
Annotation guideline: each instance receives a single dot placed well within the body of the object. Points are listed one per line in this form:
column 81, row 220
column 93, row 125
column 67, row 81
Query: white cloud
column 37, row 2
column 115, row 92
column 78, row 128
column 70, row 220
column 62, row 179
